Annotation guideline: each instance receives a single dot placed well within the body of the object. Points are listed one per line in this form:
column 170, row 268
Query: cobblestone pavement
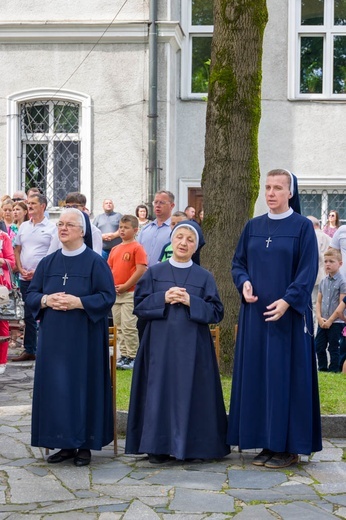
column 130, row 488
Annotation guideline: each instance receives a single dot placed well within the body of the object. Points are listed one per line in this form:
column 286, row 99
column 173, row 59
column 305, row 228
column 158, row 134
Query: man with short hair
column 108, row 224
column 19, row 196
column 31, row 245
column 190, row 212
column 157, row 233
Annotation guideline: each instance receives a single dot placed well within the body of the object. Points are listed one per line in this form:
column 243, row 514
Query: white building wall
column 45, row 50
column 306, row 137
column 20, row 10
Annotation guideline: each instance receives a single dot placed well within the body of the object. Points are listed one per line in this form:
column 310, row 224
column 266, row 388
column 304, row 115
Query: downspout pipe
column 152, row 114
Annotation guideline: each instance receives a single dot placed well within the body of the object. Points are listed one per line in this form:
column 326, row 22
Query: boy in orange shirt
column 128, row 262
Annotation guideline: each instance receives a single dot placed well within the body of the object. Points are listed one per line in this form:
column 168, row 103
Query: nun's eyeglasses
column 68, row 225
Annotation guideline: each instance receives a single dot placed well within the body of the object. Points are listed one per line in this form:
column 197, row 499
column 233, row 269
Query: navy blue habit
column 72, row 400
column 275, row 400
column 176, row 405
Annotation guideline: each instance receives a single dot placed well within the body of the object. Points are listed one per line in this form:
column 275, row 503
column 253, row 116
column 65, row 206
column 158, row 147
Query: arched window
column 49, row 143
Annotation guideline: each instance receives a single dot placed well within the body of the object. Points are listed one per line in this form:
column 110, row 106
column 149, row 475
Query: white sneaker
column 2, row 369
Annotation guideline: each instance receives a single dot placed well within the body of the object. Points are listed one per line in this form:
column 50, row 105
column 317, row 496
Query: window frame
column 327, row 31
column 14, row 135
column 190, row 31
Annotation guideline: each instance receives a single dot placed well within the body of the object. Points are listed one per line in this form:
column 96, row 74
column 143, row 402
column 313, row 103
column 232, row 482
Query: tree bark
column 230, row 178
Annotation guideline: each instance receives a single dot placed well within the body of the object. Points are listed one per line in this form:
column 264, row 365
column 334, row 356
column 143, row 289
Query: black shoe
column 82, row 458
column 158, row 459
column 263, row 457
column 61, row 455
column 282, row 460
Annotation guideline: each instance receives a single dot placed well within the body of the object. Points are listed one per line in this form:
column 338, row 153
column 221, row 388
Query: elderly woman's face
column 183, row 244
column 70, row 229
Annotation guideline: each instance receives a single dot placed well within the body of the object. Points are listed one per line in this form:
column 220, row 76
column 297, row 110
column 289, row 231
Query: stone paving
column 130, row 488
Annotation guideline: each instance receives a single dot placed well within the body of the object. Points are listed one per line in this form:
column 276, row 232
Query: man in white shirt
column 31, row 245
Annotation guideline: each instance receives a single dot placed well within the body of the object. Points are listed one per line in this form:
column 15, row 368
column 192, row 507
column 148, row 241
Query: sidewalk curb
column 333, row 426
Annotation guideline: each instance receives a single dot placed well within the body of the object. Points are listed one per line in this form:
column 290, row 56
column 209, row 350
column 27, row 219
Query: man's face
column 108, row 206
column 35, row 209
column 75, row 205
column 176, row 220
column 190, row 212
column 162, row 206
column 18, row 196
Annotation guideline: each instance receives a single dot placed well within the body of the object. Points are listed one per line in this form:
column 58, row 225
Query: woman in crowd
column 7, row 208
column 200, row 216
column 20, row 215
column 176, row 406
column 332, row 224
column 275, row 402
column 71, row 293
column 6, row 253
column 143, row 216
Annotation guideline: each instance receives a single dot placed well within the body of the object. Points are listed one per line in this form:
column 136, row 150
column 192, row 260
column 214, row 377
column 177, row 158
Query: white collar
column 75, row 252
column 279, row 216
column 180, row 265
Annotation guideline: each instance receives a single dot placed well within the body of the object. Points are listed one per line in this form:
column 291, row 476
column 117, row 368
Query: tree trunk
column 230, row 179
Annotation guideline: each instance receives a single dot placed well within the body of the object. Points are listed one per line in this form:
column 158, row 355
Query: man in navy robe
column 274, row 401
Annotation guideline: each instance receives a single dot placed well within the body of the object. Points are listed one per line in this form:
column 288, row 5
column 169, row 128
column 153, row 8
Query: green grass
column 332, row 391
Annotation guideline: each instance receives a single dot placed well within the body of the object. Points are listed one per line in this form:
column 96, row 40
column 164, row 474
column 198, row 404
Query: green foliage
column 332, row 391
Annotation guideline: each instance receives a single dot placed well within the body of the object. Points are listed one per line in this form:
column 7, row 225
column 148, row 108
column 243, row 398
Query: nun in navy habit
column 71, row 294
column 176, row 405
column 274, row 400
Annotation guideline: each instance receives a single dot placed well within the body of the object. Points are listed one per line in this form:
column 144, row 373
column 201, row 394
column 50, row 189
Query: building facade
column 75, row 91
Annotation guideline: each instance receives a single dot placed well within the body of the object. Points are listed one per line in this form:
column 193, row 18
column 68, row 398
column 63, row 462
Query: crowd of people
column 145, row 273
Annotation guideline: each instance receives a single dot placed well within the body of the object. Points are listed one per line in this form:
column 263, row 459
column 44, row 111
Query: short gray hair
column 75, row 211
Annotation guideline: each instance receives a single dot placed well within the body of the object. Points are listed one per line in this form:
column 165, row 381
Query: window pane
column 311, row 64
column 311, row 204
column 340, row 12
column 202, row 12
column 312, row 12
column 35, row 166
column 201, row 51
column 66, row 170
column 66, row 118
column 35, row 118
column 339, row 79
column 51, row 154
column 337, row 201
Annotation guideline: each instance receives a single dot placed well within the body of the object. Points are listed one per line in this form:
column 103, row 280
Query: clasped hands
column 177, row 295
column 275, row 310
column 61, row 301
column 324, row 324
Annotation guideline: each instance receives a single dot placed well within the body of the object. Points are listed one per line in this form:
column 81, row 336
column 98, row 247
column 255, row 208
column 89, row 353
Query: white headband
column 185, row 224
column 292, row 181
column 76, row 212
